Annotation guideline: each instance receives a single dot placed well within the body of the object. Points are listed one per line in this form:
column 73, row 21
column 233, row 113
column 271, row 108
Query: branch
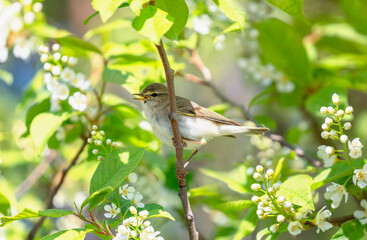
column 56, row 189
column 208, row 81
column 181, row 175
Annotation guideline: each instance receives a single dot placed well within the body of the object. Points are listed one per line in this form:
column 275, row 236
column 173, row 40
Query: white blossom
column 78, row 101
column 335, row 192
column 362, row 215
column 349, row 110
column 355, row 148
column 132, row 177
column 3, row 54
column 202, row 24
column 295, row 228
column 126, row 191
column 67, row 74
column 323, row 110
column 329, row 160
column 29, row 17
column 320, row 221
column 347, row 125
column 360, row 177
column 61, row 92
column 22, row 48
column 344, row 138
column 37, row 7
column 112, row 210
column 137, row 200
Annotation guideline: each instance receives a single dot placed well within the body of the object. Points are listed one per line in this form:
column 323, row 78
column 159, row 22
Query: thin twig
column 207, row 80
column 181, row 175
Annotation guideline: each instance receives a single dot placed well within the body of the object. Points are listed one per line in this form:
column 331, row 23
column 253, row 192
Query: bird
column 197, row 124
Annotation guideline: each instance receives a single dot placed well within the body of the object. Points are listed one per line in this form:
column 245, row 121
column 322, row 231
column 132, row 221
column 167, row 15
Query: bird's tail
column 232, row 129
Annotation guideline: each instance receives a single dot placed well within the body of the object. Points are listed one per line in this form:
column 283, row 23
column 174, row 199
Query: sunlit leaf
column 233, row 10
column 234, row 206
column 72, row 234
column 6, row 77
column 293, row 8
column 296, row 193
column 106, row 8
column 4, row 205
column 152, row 23
column 43, row 126
column 179, row 11
column 156, row 210
column 78, row 43
column 116, row 76
column 112, row 171
column 28, row 213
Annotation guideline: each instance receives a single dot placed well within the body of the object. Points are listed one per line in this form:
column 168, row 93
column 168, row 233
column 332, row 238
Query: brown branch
column 35, row 174
column 208, row 81
column 56, row 189
column 181, row 175
column 338, row 221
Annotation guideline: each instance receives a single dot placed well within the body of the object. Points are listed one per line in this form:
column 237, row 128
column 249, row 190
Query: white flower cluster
column 14, row 17
column 335, row 193
column 336, row 115
column 263, row 74
column 137, row 227
column 274, row 204
column 61, row 80
column 97, row 138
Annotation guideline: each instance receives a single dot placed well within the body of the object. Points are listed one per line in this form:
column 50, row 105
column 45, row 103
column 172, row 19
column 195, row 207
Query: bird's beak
column 140, row 96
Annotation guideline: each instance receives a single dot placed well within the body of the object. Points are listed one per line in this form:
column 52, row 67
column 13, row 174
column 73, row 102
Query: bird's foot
column 184, row 144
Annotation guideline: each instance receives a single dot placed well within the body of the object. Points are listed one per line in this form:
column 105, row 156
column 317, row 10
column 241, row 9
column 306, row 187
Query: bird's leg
column 182, row 140
column 192, row 155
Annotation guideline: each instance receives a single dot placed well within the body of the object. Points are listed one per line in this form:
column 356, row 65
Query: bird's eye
column 154, row 94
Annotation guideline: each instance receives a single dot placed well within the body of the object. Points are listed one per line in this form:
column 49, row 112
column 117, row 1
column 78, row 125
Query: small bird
column 197, row 124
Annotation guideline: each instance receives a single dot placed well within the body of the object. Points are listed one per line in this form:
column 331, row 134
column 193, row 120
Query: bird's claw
column 181, row 176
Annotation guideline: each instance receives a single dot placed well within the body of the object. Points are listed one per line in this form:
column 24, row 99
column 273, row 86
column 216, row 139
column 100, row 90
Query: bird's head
column 153, row 94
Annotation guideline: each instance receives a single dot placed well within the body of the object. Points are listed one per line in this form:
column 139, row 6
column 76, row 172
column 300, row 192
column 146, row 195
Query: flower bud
column 325, row 127
column 325, row 135
column 93, row 133
column 287, row 205
column 349, row 110
column 90, row 140
column 347, row 125
column 280, row 218
column 255, row 187
column 56, row 47
column 276, row 186
column 340, row 113
column 94, row 127
column 56, row 70
column 274, row 228
column 336, row 99
column 329, row 121
column 269, row 174
column 132, row 177
column 47, row 66
column 259, row 212
column 333, row 135
column 95, row 151
column 280, row 199
column 323, row 110
column 64, row 59
column 255, row 199
column 271, row 190
column 259, row 168
column 257, row 176
column 99, row 158
column 44, row 57
column 102, row 133
column 344, row 138
column 114, row 144
column 329, row 150
column 331, row 110
column 108, row 141
column 56, row 56
column 133, row 210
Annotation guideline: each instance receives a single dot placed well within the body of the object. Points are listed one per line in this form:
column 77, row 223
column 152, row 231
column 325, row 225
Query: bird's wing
column 189, row 108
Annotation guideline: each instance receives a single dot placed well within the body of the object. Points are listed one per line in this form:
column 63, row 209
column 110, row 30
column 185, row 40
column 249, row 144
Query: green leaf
column 75, row 42
column 97, row 196
column 47, row 31
column 234, row 206
column 152, row 23
column 179, row 11
column 7, row 77
column 220, row 108
column 278, row 169
column 43, row 126
column 107, row 28
column 137, row 5
column 293, row 135
column 106, row 8
column 293, row 8
column 72, row 234
column 34, row 110
column 262, row 233
column 282, row 46
column 112, row 171
column 343, row 61
column 266, row 121
column 126, row 59
column 323, row 98
column 233, row 10
column 116, row 76
column 235, row 179
column 28, row 213
column 86, row 21
column 247, row 224
column 296, row 193
column 4, row 205
column 350, row 230
column 356, row 13
column 156, row 210
column 337, row 171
